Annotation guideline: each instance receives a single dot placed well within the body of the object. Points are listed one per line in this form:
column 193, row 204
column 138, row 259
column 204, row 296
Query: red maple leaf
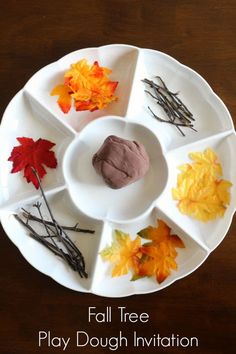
column 30, row 156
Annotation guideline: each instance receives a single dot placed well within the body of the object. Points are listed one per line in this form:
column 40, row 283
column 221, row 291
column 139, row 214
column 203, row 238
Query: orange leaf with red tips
column 32, row 155
column 87, row 85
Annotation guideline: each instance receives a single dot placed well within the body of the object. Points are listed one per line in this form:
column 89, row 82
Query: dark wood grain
column 200, row 34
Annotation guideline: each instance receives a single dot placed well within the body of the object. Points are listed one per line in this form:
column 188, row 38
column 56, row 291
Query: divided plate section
column 210, row 113
column 121, row 59
column 89, row 191
column 211, row 233
column 188, row 259
column 20, row 120
column 40, row 257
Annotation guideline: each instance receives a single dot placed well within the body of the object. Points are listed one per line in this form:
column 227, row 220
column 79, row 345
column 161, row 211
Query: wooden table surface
column 200, row 34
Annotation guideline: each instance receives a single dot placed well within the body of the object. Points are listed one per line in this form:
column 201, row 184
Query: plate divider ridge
column 105, row 229
column 31, row 199
column 134, row 80
column 217, row 136
column 176, row 226
column 58, row 123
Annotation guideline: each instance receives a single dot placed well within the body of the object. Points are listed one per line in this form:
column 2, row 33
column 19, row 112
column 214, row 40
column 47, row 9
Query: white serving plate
column 78, row 194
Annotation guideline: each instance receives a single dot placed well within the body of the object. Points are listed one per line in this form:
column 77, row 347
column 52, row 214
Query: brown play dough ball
column 121, row 162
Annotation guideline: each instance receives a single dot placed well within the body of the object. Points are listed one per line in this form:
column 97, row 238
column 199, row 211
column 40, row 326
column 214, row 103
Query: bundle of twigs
column 54, row 237
column 177, row 112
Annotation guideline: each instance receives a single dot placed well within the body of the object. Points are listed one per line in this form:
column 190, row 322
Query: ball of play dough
column 121, row 162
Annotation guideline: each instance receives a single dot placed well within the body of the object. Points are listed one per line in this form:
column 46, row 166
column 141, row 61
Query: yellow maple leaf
column 122, row 253
column 199, row 191
column 206, row 161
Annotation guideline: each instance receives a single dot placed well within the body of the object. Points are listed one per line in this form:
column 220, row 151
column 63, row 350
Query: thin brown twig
column 50, row 223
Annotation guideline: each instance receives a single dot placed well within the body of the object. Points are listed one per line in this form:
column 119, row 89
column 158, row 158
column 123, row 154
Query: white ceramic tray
column 76, row 193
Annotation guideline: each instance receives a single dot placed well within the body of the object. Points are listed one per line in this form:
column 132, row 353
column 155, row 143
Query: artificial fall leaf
column 200, row 192
column 158, row 256
column 88, row 85
column 122, row 253
column 64, row 100
column 32, row 155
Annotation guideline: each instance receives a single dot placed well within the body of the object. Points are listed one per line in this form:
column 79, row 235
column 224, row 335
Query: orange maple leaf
column 158, row 262
column 158, row 256
column 64, row 100
column 156, row 234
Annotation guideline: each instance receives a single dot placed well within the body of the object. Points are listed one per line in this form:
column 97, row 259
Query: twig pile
column 178, row 114
column 54, row 236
